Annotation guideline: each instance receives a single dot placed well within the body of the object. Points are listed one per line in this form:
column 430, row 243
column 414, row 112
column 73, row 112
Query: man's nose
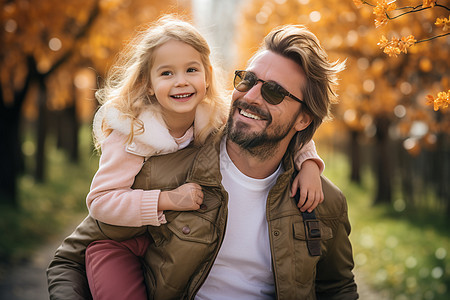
column 253, row 95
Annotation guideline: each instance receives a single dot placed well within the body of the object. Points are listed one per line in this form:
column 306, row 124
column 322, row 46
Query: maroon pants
column 114, row 269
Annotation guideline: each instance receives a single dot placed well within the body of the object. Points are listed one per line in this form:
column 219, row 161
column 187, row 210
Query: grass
column 402, row 252
column 45, row 210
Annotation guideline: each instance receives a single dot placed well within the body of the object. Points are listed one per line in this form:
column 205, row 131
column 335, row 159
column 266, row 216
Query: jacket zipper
column 269, row 226
column 205, row 275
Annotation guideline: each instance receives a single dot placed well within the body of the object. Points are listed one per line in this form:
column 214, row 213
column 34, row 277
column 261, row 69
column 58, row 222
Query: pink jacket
column 111, row 199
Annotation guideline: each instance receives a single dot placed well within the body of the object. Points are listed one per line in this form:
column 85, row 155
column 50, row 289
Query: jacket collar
column 206, row 167
column 155, row 139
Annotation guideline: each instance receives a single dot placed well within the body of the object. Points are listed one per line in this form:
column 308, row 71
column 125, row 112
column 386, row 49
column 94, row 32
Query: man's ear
column 303, row 121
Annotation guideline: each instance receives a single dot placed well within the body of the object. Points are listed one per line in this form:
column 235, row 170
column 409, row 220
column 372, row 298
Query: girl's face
column 178, row 79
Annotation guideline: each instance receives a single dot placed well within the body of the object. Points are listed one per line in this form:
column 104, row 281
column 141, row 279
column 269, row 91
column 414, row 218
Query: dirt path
column 28, row 280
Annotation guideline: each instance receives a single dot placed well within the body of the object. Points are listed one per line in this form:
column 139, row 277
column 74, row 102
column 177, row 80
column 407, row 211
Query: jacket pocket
column 187, row 244
column 305, row 264
column 192, row 227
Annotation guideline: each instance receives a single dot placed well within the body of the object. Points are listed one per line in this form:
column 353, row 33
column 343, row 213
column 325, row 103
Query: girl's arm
column 308, row 152
column 310, row 167
column 111, row 199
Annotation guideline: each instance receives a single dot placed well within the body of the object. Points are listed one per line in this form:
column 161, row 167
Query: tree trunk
column 67, row 132
column 406, row 173
column 74, row 127
column 443, row 159
column 39, row 173
column 11, row 158
column 355, row 157
column 382, row 161
column 10, row 154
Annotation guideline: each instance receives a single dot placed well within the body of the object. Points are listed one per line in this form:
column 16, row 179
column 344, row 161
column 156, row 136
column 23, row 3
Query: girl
column 161, row 96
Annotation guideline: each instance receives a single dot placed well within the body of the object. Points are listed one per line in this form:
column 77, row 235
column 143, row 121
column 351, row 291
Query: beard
column 260, row 144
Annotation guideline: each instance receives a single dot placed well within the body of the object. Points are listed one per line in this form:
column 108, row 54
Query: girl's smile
column 182, row 97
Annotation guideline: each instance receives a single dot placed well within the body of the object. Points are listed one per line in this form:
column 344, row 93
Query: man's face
column 253, row 123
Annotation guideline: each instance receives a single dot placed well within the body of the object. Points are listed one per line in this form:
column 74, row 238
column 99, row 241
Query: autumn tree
column 380, row 96
column 45, row 44
column 31, row 34
column 333, row 22
column 416, row 37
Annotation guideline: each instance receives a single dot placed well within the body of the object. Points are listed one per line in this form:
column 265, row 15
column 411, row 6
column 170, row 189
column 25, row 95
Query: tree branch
column 19, row 95
column 413, row 8
column 432, row 38
column 94, row 13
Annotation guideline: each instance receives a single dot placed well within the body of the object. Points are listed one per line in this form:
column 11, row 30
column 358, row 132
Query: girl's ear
column 208, row 81
column 150, row 91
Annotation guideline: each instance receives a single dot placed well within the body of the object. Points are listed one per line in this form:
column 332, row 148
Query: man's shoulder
column 334, row 204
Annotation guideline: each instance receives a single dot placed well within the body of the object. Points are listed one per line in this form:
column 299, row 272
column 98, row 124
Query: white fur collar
column 156, row 138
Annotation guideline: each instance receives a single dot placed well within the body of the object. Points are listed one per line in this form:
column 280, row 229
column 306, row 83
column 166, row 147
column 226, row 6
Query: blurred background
column 387, row 147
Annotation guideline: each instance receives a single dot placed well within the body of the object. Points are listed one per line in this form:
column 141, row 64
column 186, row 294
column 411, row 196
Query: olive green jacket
column 183, row 250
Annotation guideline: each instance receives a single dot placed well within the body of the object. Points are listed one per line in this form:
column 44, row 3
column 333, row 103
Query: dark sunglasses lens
column 271, row 93
column 243, row 81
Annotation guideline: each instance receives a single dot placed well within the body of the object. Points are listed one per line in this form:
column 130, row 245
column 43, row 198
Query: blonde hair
column 297, row 43
column 128, row 82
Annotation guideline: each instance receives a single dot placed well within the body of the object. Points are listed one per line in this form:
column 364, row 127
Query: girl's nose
column 181, row 80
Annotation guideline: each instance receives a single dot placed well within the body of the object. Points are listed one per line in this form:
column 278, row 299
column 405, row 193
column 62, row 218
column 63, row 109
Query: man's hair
column 296, row 42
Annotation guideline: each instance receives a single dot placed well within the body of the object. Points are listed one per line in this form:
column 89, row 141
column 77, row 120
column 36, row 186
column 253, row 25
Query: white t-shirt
column 243, row 267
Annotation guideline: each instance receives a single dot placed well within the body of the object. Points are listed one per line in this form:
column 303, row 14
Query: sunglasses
column 271, row 91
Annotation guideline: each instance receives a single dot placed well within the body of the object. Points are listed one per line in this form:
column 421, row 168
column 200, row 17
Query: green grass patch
column 402, row 251
column 46, row 209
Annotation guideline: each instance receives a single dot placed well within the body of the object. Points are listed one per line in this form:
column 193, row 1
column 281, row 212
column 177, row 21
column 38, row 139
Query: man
column 248, row 240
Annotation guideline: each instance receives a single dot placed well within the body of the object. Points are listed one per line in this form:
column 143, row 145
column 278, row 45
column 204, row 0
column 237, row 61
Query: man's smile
column 248, row 114
column 251, row 112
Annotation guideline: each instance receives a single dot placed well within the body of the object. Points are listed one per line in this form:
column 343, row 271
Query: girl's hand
column 188, row 196
column 310, row 185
